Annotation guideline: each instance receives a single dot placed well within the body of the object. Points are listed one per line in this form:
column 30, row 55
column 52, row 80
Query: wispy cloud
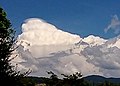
column 114, row 25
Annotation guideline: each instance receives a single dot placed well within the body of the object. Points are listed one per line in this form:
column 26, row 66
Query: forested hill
column 93, row 80
column 97, row 79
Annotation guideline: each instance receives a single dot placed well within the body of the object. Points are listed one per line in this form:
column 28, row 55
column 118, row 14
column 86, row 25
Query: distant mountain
column 99, row 79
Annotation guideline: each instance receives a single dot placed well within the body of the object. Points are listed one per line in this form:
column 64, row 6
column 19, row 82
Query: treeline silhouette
column 9, row 76
column 75, row 79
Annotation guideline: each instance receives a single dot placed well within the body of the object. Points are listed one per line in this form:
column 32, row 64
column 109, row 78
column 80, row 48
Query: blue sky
column 83, row 17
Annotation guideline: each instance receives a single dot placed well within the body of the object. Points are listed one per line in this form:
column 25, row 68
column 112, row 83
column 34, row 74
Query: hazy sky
column 83, row 17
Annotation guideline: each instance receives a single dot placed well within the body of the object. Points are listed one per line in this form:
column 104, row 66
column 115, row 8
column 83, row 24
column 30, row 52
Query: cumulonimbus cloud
column 114, row 25
column 43, row 47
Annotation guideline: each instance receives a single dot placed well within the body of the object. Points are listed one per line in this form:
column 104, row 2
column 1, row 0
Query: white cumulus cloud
column 43, row 47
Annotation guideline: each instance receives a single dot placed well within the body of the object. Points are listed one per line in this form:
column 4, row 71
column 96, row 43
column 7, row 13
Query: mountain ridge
column 99, row 79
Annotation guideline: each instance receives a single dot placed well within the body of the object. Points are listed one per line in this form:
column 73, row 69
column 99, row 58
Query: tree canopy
column 8, row 74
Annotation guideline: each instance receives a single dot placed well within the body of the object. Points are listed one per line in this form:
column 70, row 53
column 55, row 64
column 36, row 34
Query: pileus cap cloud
column 39, row 32
column 36, row 24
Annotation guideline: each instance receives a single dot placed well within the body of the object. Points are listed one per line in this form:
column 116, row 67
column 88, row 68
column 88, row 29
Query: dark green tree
column 75, row 80
column 8, row 75
column 108, row 83
column 68, row 80
column 53, row 80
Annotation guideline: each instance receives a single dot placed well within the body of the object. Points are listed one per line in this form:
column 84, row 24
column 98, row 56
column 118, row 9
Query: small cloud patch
column 114, row 25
